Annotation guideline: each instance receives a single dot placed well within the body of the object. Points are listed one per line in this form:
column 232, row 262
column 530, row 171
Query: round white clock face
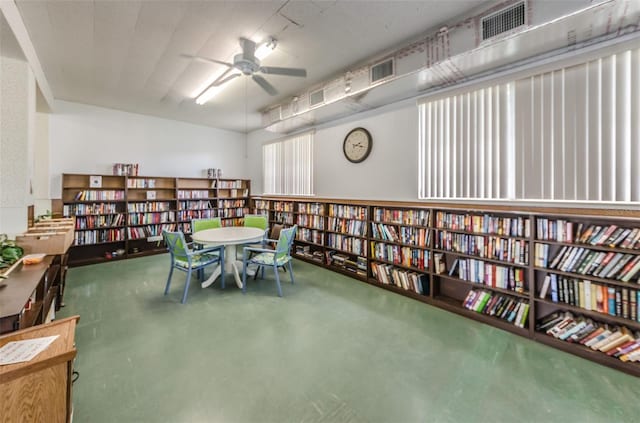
column 357, row 145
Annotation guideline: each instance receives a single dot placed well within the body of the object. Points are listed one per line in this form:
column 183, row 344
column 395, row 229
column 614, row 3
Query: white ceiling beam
column 14, row 19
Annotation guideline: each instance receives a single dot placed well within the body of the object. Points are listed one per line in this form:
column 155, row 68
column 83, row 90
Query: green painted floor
column 332, row 350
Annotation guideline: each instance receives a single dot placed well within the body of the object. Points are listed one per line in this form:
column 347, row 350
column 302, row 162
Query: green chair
column 279, row 257
column 205, row 223
column 256, row 221
column 185, row 259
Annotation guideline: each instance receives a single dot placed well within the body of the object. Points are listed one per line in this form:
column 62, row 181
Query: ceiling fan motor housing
column 245, row 64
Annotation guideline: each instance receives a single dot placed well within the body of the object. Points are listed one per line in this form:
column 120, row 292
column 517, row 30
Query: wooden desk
column 40, row 390
column 18, row 288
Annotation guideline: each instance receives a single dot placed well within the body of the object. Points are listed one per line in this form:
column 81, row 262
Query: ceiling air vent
column 382, row 70
column 316, row 97
column 503, row 21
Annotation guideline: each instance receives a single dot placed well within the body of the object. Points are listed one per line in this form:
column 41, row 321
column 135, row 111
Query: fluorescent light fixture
column 209, row 93
column 266, row 48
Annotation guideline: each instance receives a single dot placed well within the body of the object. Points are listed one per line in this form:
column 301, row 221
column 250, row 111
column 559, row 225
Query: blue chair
column 185, row 259
column 278, row 257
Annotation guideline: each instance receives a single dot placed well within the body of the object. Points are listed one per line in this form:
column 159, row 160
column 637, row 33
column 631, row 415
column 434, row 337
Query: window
column 566, row 135
column 287, row 166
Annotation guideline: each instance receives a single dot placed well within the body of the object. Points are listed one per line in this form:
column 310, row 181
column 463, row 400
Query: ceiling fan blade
column 227, row 79
column 206, row 60
column 270, row 70
column 248, row 48
column 264, row 84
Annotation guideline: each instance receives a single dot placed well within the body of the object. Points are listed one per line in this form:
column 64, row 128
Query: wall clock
column 357, row 145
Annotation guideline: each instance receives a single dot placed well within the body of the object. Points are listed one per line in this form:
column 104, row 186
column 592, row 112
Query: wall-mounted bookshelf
column 123, row 216
column 569, row 278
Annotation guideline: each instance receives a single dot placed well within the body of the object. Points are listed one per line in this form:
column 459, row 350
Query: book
column 545, row 286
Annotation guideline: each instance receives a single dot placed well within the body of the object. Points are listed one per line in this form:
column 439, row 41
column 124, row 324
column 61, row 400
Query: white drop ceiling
column 126, row 55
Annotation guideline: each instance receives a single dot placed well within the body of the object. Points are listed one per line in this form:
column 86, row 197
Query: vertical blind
column 572, row 134
column 287, row 166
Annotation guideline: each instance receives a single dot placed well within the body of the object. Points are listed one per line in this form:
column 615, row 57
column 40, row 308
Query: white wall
column 89, row 139
column 389, row 173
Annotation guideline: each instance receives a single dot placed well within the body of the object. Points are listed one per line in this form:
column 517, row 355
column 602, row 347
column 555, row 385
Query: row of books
column 402, row 217
column 311, row 208
column 348, row 212
column 195, row 205
column 282, row 206
column 307, row 252
column 404, row 234
column 87, row 209
column 513, row 310
column 151, row 230
column 489, row 274
column 93, row 195
column 283, row 217
column 406, row 256
column 237, row 212
column 485, row 224
column 554, row 230
column 352, row 227
column 238, row 221
column 584, row 261
column 357, row 266
column 311, row 220
column 310, row 235
column 154, row 206
column 231, row 203
column 227, row 184
column 233, row 193
column 262, row 204
column 141, row 183
column 98, row 236
column 608, row 235
column 505, row 249
column 615, row 341
column 99, row 221
column 390, row 275
column 346, row 243
column 197, row 214
column 615, row 301
column 182, row 194
column 150, row 218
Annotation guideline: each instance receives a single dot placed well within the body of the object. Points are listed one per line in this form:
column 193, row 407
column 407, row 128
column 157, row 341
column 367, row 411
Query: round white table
column 229, row 236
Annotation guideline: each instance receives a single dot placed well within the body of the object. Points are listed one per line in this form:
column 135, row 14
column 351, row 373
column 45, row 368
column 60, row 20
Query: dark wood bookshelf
column 487, row 234
column 523, row 295
column 400, row 265
column 603, row 317
column 490, row 260
column 400, row 244
column 591, row 278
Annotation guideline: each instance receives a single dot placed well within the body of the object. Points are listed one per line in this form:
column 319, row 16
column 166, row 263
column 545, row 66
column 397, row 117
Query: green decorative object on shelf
column 9, row 251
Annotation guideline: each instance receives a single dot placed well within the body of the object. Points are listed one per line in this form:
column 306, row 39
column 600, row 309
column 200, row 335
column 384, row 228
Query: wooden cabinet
column 40, row 390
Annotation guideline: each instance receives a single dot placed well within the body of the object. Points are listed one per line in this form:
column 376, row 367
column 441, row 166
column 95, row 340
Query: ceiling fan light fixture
column 266, row 48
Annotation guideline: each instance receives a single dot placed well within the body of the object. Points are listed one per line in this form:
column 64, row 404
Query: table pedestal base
column 230, row 262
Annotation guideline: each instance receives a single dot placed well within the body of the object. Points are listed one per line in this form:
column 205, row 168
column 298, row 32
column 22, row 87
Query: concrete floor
column 331, row 350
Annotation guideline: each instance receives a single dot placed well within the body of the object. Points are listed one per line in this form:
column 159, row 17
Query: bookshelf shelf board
column 328, row 247
column 308, row 259
column 387, row 241
column 100, row 214
column 344, row 271
column 471, row 256
column 381, row 222
column 406, row 292
column 414, row 269
column 98, row 243
column 460, row 231
column 595, row 314
column 307, row 214
column 455, row 306
column 629, row 284
column 98, row 228
column 524, row 295
column 345, row 234
column 308, row 242
column 347, row 218
column 588, row 353
column 150, row 224
column 94, row 201
column 309, row 227
column 591, row 247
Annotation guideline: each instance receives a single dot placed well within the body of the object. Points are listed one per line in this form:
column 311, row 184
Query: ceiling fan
column 248, row 64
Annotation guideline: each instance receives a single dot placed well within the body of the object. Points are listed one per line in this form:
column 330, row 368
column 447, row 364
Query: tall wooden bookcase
column 503, row 267
column 119, row 217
